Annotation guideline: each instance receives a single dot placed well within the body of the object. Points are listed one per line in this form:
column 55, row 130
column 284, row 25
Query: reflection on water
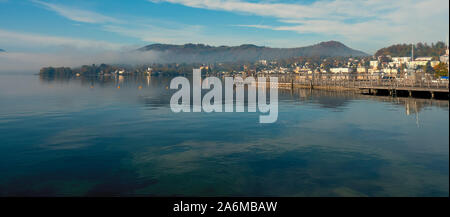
column 336, row 99
column 117, row 136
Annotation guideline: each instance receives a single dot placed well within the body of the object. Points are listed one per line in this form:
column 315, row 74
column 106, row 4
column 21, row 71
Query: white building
column 374, row 64
column 341, row 70
column 424, row 59
column 401, row 60
column 390, row 71
column 397, row 62
column 415, row 64
column 361, row 70
column 444, row 58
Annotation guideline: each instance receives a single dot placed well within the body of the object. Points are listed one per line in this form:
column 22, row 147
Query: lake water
column 88, row 137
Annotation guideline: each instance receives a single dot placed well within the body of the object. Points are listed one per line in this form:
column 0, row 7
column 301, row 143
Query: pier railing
column 380, row 84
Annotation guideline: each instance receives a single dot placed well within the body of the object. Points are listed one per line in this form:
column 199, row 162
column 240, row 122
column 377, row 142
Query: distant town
column 383, row 65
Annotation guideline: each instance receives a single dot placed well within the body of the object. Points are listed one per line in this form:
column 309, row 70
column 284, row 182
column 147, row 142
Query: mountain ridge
column 247, row 52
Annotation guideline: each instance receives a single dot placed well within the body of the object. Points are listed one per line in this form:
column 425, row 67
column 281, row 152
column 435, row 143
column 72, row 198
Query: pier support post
column 410, row 93
column 432, row 95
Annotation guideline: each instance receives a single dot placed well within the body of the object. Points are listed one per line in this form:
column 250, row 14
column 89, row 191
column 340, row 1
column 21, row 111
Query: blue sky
column 47, row 25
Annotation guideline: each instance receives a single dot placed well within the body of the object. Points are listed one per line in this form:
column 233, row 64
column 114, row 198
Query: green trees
column 420, row 49
column 54, row 71
column 441, row 70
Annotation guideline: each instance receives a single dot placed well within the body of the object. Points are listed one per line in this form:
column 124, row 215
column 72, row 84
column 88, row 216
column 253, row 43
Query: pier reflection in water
column 335, row 99
column 108, row 136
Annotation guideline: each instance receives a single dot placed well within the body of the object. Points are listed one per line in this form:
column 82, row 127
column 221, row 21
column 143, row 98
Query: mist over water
column 117, row 136
column 32, row 62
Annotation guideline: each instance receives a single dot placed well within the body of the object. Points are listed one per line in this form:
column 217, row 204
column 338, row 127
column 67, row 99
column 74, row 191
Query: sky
column 33, row 27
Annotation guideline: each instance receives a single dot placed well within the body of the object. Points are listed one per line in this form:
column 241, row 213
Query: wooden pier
column 377, row 87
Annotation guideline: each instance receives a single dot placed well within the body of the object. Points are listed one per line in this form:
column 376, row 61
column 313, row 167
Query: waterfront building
column 362, row 73
column 417, row 63
column 263, row 62
column 341, row 70
column 374, row 64
column 401, row 59
column 444, row 58
column 397, row 62
column 390, row 71
column 424, row 59
column 361, row 70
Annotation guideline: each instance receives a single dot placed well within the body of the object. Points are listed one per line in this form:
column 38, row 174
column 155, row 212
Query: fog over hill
column 164, row 53
column 247, row 52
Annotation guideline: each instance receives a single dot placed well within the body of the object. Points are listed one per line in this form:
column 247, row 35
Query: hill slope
column 420, row 50
column 247, row 52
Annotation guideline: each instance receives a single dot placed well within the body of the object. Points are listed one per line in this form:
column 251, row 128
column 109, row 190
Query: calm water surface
column 87, row 137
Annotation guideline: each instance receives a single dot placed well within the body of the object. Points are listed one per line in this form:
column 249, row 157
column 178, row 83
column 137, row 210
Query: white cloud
column 144, row 29
column 342, row 9
column 78, row 15
column 372, row 22
column 368, row 24
column 258, row 26
column 152, row 33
